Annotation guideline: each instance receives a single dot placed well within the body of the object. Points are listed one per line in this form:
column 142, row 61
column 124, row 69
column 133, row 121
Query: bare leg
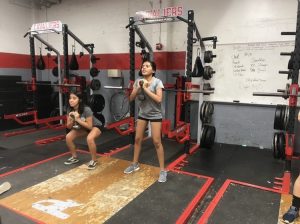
column 296, row 190
column 139, row 135
column 156, row 136
column 94, row 133
column 70, row 137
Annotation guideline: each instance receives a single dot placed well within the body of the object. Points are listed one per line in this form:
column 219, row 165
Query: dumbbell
column 141, row 96
column 75, row 126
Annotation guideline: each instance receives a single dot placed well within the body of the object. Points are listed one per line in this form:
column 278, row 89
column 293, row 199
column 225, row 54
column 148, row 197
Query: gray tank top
column 87, row 112
column 148, row 108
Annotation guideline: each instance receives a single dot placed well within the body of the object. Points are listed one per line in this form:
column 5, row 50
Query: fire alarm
column 159, row 46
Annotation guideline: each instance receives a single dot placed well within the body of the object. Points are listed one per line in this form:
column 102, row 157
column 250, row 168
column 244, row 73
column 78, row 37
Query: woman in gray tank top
column 148, row 90
column 81, row 122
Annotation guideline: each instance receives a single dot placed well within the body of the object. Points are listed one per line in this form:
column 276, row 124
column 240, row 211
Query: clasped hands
column 74, row 115
column 143, row 83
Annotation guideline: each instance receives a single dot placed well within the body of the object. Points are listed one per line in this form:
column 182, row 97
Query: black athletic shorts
column 151, row 120
column 101, row 128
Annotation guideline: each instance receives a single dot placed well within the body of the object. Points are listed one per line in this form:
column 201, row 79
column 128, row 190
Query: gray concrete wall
column 240, row 124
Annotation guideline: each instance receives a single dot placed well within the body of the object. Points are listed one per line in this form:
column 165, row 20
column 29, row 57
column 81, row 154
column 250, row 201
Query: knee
column 138, row 140
column 90, row 139
column 157, row 144
column 69, row 137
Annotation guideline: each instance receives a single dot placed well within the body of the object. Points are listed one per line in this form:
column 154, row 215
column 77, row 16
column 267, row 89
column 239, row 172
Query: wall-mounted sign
column 168, row 12
column 47, row 27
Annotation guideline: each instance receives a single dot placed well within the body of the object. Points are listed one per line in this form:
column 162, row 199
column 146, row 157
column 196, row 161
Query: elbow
column 131, row 97
column 159, row 99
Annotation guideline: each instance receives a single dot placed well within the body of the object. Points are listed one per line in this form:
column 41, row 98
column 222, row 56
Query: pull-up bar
column 88, row 47
column 49, row 46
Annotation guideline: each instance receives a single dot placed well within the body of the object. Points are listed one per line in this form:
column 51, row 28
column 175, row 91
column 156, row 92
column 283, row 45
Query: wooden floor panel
column 81, row 195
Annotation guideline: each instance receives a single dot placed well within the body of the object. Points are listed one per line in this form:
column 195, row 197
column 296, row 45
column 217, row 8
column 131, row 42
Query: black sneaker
column 71, row 160
column 290, row 215
column 92, row 165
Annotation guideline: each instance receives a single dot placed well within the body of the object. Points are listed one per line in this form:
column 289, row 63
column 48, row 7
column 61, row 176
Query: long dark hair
column 153, row 65
column 81, row 103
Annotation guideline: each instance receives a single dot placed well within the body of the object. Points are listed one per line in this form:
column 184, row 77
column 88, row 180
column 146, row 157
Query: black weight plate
column 209, row 109
column 212, row 108
column 55, row 71
column 281, row 145
column 208, row 56
column 202, row 110
column 203, row 136
column 94, row 71
column 286, row 117
column 276, row 117
column 95, row 84
column 97, row 103
column 207, row 116
column 205, row 112
column 211, row 134
column 282, row 115
column 278, row 122
column 209, row 137
column 275, row 151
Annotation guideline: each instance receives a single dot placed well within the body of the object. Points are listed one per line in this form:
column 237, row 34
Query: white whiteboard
column 242, row 69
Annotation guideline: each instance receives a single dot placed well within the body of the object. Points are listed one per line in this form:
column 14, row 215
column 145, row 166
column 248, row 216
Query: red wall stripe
column 164, row 61
column 11, row 60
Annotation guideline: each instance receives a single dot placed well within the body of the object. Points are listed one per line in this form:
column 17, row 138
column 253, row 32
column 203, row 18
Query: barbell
column 167, row 90
column 285, row 93
column 48, row 84
column 189, row 91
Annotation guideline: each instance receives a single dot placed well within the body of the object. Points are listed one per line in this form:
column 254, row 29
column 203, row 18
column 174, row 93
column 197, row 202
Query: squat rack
column 292, row 93
column 42, row 28
column 134, row 22
column 57, row 27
